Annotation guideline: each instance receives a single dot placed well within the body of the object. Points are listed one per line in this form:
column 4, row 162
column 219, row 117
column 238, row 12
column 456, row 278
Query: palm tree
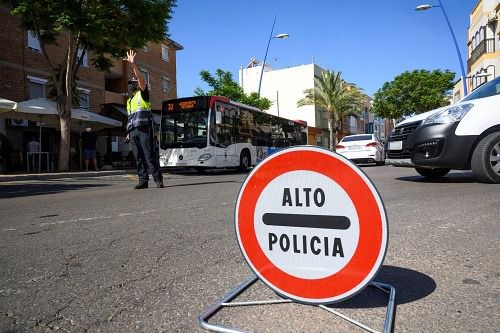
column 336, row 97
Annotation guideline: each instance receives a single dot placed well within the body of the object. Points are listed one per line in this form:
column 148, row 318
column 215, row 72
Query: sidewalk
column 17, row 176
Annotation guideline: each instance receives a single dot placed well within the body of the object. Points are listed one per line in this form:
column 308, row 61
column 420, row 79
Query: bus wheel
column 433, row 173
column 244, row 161
column 485, row 161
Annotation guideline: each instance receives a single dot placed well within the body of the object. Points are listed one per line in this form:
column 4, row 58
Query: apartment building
column 25, row 76
column 284, row 87
column 483, row 43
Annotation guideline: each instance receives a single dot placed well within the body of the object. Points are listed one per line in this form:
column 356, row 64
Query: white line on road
column 104, row 217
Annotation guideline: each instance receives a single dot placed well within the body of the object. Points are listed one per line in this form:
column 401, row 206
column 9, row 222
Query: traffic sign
column 311, row 225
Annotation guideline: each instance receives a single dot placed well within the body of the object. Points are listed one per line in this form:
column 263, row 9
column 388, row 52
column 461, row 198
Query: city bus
column 207, row 132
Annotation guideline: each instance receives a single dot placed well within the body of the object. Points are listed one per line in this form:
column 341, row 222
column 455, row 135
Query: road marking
column 133, row 177
column 107, row 217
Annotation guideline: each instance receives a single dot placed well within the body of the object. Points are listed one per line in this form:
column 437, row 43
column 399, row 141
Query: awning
column 7, row 105
column 117, row 112
column 45, row 111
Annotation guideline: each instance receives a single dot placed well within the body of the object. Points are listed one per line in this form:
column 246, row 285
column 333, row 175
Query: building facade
column 284, row 87
column 483, row 43
column 26, row 75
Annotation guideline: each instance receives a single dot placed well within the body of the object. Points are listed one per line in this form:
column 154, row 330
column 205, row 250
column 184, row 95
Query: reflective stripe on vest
column 136, row 103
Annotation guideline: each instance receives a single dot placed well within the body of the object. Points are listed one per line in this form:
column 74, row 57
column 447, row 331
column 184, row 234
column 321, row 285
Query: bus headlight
column 204, row 157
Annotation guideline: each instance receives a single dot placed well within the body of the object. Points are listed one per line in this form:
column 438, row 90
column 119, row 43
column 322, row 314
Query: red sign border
column 373, row 229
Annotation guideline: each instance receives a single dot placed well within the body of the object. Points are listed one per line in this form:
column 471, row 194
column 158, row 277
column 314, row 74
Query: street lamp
column 426, row 7
column 267, row 49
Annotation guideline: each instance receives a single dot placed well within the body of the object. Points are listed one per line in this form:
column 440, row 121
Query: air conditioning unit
column 492, row 16
column 18, row 122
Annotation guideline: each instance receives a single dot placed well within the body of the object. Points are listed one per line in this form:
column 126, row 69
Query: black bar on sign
column 307, row 221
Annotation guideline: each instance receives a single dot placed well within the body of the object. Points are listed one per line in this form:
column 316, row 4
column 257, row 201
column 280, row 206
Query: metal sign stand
column 226, row 302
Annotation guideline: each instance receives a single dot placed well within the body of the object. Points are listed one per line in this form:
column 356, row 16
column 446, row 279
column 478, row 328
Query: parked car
column 462, row 136
column 362, row 148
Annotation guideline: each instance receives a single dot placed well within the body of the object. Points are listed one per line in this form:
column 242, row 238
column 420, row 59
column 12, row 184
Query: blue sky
column 369, row 41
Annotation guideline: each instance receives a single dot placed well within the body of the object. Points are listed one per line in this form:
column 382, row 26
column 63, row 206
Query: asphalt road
column 93, row 255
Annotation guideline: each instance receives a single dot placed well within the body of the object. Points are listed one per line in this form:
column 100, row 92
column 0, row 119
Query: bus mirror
column 218, row 117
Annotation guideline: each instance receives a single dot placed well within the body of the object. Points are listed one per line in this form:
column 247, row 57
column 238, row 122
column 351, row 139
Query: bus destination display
column 190, row 104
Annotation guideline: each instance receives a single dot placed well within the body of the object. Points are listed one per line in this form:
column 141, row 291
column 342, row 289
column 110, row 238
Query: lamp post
column 267, row 49
column 426, row 7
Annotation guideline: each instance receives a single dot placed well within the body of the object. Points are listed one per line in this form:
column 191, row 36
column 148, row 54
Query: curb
column 56, row 175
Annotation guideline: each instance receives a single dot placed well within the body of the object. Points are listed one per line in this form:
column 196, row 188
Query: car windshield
column 357, row 138
column 488, row 89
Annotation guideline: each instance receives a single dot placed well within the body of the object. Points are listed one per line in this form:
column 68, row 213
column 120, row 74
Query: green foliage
column 413, row 92
column 222, row 84
column 336, row 97
column 108, row 28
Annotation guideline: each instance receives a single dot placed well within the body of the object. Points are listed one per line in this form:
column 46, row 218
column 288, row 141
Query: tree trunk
column 64, row 145
column 333, row 135
column 64, row 110
column 333, row 130
column 64, row 104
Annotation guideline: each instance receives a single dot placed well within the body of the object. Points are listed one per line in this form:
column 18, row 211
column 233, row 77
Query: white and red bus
column 206, row 132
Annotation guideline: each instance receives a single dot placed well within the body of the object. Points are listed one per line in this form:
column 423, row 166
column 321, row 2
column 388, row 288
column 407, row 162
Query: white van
column 462, row 136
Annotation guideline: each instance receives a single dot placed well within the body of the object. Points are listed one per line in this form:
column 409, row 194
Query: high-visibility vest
column 139, row 111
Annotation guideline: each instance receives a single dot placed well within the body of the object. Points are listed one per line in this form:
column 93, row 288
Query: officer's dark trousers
column 143, row 148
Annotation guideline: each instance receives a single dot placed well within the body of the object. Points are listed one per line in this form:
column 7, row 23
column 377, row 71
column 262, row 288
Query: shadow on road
column 204, row 183
column 210, row 172
column 452, row 177
column 27, row 190
column 410, row 286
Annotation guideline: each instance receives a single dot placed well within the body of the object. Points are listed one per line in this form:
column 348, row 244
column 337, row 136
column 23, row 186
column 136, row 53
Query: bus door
column 225, row 150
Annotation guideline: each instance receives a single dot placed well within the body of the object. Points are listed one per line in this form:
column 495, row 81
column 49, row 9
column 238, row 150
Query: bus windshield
column 184, row 129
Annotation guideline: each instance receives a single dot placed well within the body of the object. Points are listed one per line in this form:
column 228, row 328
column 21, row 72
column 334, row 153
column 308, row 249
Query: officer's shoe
column 140, row 186
column 160, row 184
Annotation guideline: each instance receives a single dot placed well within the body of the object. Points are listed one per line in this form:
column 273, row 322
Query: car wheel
column 485, row 161
column 432, row 173
column 244, row 161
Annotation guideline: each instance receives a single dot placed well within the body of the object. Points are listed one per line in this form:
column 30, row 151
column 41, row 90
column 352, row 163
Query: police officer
column 140, row 128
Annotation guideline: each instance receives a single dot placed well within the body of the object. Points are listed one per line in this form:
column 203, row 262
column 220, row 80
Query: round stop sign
column 311, row 225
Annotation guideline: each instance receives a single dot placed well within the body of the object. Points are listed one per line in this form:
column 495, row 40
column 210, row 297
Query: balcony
column 486, row 46
column 117, row 70
column 113, row 98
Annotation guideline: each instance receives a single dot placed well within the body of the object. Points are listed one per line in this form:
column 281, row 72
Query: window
column 85, row 60
column 145, row 74
column 356, row 138
column 165, row 84
column 36, row 87
column 84, row 99
column 164, row 53
column 33, row 42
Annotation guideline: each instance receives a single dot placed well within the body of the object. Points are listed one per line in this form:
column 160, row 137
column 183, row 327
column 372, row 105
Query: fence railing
column 485, row 46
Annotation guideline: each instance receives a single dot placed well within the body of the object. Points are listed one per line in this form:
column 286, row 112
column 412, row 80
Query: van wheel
column 485, row 161
column 432, row 173
column 244, row 161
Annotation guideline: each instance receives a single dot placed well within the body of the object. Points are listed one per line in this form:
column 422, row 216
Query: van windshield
column 488, row 89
